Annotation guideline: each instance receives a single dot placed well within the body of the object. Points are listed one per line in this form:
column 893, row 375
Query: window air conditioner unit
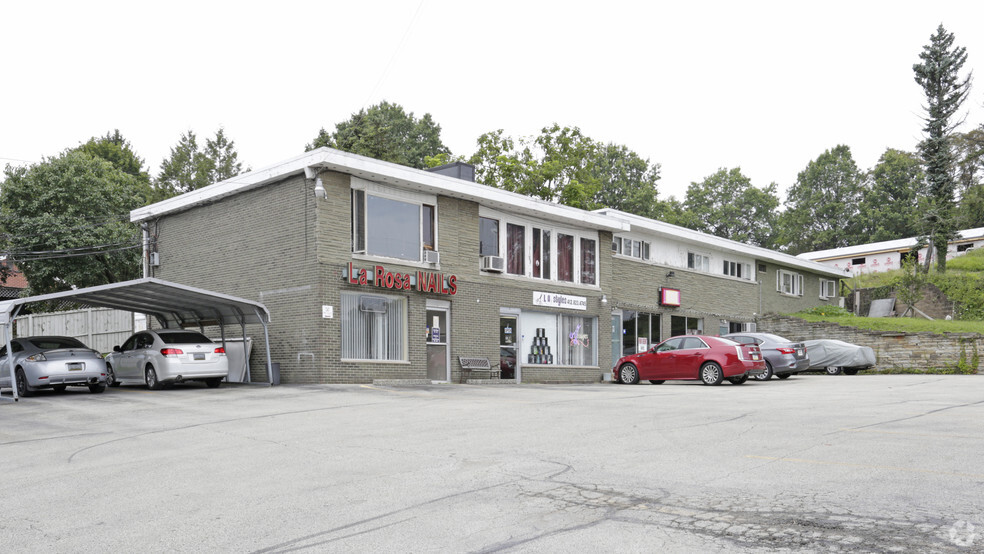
column 432, row 257
column 496, row 264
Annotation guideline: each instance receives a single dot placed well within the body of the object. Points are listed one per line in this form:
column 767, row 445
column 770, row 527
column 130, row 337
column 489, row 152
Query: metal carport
column 173, row 305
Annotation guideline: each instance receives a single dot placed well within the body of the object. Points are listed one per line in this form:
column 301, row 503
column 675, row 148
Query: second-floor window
column 700, row 262
column 631, row 248
column 533, row 250
column 391, row 227
column 737, row 269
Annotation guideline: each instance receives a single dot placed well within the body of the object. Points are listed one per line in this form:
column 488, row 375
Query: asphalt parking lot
column 811, row 464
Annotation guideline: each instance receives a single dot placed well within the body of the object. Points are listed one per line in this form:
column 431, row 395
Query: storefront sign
column 560, row 300
column 422, row 281
column 669, row 297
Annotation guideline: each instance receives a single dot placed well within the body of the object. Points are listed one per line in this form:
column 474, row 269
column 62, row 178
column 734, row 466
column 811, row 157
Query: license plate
column 199, row 356
column 755, row 356
column 799, row 353
column 75, row 366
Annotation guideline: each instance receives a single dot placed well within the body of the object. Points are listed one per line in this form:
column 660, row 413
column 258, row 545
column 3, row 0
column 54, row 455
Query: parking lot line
column 866, row 466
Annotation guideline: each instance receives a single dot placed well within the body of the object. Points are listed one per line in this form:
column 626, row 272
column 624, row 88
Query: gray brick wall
column 279, row 245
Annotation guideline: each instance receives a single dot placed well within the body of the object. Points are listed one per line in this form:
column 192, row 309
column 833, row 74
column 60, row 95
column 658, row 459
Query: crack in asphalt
column 215, row 422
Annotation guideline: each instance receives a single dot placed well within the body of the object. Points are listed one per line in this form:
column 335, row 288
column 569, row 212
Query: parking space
column 868, row 463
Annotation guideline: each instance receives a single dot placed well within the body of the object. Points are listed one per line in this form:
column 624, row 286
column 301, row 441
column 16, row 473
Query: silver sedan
column 52, row 363
column 161, row 357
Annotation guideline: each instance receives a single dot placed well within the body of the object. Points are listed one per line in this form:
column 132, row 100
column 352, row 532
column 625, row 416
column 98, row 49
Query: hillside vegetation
column 963, row 283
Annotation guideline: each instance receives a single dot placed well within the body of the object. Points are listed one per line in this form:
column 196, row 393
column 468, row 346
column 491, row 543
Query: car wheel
column 214, row 382
column 850, row 372
column 111, row 377
column 767, row 375
column 711, row 374
column 59, row 388
column 657, row 381
column 784, row 375
column 23, row 389
column 97, row 388
column 738, row 380
column 833, row 370
column 628, row 374
column 150, row 375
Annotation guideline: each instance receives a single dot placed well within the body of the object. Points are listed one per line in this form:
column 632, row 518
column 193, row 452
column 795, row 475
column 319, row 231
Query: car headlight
column 39, row 357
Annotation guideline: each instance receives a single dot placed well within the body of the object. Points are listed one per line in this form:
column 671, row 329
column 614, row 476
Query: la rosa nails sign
column 422, row 281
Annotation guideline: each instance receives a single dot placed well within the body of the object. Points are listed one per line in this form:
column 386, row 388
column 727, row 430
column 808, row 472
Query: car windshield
column 183, row 337
column 54, row 343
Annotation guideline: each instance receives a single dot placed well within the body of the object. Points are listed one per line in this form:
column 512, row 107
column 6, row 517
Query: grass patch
column 900, row 324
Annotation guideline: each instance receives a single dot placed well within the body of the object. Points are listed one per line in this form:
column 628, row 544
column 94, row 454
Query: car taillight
column 786, row 350
column 171, row 351
column 220, row 350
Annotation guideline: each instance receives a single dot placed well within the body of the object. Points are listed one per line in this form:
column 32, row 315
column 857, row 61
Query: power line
column 19, row 259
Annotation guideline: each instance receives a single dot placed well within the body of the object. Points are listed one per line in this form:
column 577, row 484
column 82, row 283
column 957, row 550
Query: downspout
column 146, row 254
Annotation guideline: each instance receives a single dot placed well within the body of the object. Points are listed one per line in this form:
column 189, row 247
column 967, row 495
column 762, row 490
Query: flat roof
column 902, row 245
column 705, row 239
column 381, row 172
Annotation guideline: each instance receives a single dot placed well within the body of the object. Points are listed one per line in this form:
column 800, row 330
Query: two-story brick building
column 373, row 270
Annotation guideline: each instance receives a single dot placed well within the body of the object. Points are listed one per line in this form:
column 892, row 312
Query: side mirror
column 117, row 348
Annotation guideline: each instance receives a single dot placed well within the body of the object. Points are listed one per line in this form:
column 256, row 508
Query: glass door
column 438, row 339
column 508, row 345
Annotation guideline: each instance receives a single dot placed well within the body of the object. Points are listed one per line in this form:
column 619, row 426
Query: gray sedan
column 782, row 356
column 52, row 363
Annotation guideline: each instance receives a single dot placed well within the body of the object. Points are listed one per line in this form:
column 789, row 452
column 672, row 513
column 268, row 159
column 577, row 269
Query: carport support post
column 8, row 320
column 266, row 337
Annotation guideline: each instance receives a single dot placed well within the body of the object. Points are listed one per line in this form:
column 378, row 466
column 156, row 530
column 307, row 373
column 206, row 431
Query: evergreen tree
column 190, row 167
column 939, row 76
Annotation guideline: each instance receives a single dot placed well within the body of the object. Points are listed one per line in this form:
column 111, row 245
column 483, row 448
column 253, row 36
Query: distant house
column 875, row 257
column 14, row 285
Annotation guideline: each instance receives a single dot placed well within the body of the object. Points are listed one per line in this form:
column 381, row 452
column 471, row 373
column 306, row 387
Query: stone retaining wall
column 894, row 350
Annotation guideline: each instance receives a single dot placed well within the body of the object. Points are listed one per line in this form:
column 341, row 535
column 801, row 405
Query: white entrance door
column 438, row 341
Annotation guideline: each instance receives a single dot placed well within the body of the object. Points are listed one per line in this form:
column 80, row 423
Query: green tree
column 822, row 206
column 725, row 204
column 563, row 165
column 626, row 181
column 386, row 132
column 66, row 222
column 969, row 153
column 909, row 284
column 894, row 198
column 556, row 165
column 117, row 150
column 190, row 167
column 939, row 76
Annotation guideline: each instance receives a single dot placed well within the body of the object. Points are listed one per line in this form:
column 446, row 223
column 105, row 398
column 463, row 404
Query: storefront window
column 555, row 339
column 680, row 325
column 640, row 331
column 374, row 327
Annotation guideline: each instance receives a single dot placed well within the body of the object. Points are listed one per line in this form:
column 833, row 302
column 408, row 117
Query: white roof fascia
column 704, row 239
column 884, row 246
column 386, row 173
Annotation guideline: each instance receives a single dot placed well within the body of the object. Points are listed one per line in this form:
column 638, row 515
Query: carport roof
column 172, row 304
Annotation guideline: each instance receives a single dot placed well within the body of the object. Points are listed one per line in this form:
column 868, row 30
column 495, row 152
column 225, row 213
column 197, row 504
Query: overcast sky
column 694, row 86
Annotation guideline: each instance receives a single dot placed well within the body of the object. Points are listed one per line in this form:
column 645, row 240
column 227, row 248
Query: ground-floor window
column 374, row 327
column 640, row 331
column 558, row 339
column 736, row 327
column 680, row 325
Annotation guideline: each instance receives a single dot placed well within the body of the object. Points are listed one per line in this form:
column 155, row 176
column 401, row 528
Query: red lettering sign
column 426, row 280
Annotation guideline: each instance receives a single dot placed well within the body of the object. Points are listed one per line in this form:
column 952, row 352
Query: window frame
column 346, row 355
column 824, row 285
column 694, row 257
column 628, row 247
column 550, row 251
column 796, row 283
column 361, row 225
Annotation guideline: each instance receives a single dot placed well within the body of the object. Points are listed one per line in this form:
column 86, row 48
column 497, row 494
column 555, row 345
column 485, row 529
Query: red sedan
column 710, row 359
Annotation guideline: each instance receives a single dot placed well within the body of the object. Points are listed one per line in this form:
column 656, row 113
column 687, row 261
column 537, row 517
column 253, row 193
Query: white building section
column 876, row 257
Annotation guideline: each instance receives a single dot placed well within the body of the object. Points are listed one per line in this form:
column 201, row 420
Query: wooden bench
column 469, row 364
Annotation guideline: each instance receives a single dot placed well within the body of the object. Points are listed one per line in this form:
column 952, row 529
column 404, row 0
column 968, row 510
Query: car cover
column 837, row 353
